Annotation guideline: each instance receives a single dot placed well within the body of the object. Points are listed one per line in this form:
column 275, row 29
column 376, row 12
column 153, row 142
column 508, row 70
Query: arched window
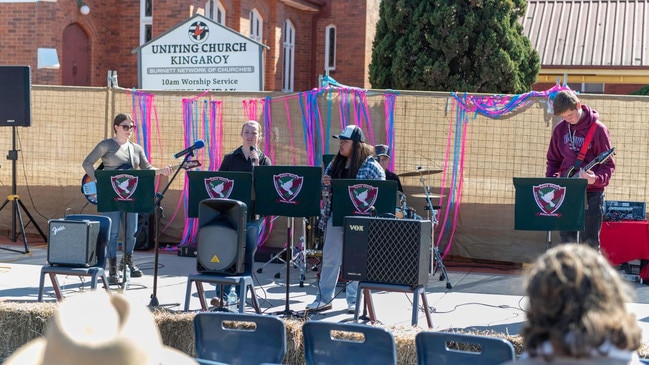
column 214, row 10
column 289, row 56
column 146, row 21
column 256, row 26
column 330, row 48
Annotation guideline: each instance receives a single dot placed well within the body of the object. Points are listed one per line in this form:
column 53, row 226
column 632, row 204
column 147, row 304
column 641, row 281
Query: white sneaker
column 351, row 308
column 317, row 306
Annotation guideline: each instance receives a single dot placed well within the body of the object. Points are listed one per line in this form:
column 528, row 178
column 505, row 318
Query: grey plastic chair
column 441, row 348
column 239, row 338
column 327, row 343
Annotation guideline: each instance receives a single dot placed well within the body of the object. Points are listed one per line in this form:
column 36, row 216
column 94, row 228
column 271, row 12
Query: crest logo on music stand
column 124, row 186
column 288, row 186
column 549, row 198
column 363, row 196
column 219, row 187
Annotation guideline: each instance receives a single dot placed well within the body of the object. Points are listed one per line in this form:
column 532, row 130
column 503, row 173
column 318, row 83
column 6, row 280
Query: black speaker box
column 387, row 250
column 221, row 241
column 72, row 243
column 15, row 96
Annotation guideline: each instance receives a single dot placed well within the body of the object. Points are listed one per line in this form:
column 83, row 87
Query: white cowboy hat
column 99, row 329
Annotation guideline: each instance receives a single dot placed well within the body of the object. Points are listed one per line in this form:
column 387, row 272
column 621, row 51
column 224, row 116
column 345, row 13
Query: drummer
column 382, row 155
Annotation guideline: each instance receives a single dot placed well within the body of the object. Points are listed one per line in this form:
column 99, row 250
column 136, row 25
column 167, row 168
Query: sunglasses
column 127, row 128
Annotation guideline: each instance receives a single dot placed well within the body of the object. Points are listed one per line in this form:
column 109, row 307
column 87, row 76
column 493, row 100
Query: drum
column 400, row 211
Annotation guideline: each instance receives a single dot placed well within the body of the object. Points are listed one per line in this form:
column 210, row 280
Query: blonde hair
column 577, row 301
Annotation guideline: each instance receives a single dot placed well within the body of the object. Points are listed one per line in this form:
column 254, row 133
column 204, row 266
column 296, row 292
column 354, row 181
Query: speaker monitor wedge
column 387, row 250
column 221, row 242
column 72, row 243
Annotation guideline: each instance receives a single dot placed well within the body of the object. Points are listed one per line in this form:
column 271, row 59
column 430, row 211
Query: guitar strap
column 130, row 154
column 584, row 147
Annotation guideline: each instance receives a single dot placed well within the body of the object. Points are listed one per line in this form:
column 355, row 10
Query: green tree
column 453, row 45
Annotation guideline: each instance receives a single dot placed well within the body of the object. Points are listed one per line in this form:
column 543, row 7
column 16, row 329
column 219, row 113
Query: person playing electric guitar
column 580, row 137
column 116, row 153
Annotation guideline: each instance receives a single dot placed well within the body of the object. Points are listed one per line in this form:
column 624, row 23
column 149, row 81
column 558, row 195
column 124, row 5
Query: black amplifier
column 387, row 250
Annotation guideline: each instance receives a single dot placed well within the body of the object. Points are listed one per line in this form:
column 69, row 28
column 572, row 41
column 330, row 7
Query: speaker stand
column 16, row 204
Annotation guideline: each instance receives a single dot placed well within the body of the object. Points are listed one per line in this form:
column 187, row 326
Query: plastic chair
column 95, row 272
column 347, row 343
column 248, row 234
column 239, row 338
column 435, row 348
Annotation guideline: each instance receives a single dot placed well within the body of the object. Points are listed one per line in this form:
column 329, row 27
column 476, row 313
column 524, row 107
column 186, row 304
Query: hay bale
column 21, row 323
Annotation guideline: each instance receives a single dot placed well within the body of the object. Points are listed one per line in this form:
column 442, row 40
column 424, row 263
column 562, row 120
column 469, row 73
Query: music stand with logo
column 362, row 198
column 234, row 185
column 127, row 191
column 288, row 191
column 549, row 204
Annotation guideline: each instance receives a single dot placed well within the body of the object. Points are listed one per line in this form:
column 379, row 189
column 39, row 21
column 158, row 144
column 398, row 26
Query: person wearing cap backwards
column 382, row 153
column 354, row 160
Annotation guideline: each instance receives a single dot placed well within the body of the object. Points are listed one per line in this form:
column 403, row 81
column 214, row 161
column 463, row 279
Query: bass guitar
column 573, row 173
column 89, row 186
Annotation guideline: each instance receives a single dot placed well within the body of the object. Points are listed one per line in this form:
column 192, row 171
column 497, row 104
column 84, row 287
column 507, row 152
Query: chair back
column 347, row 343
column 459, row 349
column 239, row 338
column 104, row 233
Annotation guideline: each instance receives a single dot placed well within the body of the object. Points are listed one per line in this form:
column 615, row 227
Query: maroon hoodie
column 561, row 157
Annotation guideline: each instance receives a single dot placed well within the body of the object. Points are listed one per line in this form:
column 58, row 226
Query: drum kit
column 403, row 211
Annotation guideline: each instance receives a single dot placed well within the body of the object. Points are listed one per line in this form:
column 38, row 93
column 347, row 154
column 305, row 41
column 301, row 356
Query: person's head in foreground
column 577, row 308
column 99, row 329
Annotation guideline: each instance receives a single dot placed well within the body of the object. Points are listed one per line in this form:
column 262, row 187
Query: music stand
column 549, row 204
column 354, row 197
column 127, row 191
column 234, row 185
column 288, row 191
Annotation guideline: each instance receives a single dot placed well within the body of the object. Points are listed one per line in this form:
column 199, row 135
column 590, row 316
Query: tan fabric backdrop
column 67, row 122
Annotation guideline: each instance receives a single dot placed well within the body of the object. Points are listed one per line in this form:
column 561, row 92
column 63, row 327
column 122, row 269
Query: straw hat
column 99, row 329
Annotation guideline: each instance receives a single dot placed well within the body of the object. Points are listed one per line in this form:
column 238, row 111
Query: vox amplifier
column 387, row 250
column 72, row 243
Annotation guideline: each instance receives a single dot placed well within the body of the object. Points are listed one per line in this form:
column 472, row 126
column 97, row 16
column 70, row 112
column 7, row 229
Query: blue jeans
column 129, row 235
column 592, row 222
column 332, row 258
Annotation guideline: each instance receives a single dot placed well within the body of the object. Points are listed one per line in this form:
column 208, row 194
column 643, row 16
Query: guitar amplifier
column 615, row 210
column 387, row 250
column 72, row 243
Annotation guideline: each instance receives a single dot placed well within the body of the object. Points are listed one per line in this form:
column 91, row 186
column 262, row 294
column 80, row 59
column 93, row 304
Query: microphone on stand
column 196, row 146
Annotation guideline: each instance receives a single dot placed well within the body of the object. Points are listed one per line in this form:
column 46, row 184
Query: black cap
column 352, row 132
column 381, row 150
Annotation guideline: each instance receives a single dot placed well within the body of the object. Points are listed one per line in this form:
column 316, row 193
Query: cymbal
column 419, row 172
column 422, row 195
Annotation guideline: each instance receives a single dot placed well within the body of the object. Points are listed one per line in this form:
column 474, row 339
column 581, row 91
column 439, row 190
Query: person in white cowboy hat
column 99, row 329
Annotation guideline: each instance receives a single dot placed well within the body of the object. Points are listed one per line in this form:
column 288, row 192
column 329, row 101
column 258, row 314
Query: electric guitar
column 89, row 186
column 573, row 173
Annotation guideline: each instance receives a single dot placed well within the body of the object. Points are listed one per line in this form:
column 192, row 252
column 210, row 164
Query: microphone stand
column 156, row 218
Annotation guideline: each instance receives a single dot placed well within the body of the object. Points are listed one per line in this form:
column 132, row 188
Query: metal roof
column 589, row 33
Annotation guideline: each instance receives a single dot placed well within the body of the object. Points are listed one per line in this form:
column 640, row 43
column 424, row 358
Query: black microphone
column 196, row 146
column 252, row 160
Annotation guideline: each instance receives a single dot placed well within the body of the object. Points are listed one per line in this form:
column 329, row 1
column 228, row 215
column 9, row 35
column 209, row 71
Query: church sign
column 200, row 54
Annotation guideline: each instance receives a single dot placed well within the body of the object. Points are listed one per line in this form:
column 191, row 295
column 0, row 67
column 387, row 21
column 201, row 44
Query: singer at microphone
column 248, row 154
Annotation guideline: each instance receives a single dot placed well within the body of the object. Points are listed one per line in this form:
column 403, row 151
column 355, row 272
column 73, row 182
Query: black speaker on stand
column 15, row 111
column 221, row 242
